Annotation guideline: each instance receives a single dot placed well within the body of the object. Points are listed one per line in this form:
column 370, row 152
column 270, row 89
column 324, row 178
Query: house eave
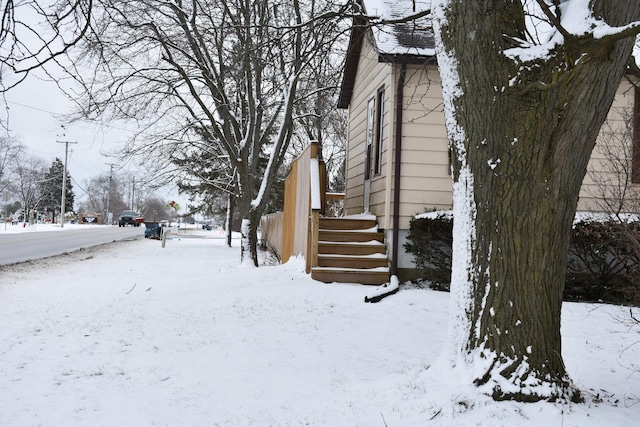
column 351, row 64
column 404, row 58
column 346, row 89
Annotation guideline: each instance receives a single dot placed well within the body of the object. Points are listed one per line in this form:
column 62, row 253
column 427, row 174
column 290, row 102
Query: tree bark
column 230, row 212
column 522, row 134
column 249, row 250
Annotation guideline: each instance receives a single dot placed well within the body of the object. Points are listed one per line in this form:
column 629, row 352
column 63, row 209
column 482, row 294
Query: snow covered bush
column 604, row 257
column 604, row 262
column 430, row 241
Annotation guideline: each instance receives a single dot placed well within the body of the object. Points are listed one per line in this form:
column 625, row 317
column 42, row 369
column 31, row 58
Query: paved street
column 18, row 247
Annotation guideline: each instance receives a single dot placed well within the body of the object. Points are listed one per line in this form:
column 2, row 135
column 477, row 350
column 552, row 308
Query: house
column 397, row 151
column 398, row 159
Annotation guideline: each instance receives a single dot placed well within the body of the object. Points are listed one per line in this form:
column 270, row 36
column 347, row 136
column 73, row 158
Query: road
column 18, row 247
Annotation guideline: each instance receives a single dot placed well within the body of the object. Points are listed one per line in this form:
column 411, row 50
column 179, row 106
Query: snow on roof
column 414, row 37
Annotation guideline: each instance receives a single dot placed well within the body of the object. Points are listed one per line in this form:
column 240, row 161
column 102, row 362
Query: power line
column 42, row 110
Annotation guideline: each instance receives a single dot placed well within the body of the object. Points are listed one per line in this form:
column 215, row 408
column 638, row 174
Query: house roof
column 399, row 37
column 413, row 37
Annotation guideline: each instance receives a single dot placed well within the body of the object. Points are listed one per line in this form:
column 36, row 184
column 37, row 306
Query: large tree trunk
column 521, row 136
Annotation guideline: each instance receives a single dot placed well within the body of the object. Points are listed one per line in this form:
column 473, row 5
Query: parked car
column 130, row 217
column 153, row 230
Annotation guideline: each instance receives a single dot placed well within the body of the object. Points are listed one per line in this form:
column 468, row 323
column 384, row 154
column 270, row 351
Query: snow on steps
column 351, row 250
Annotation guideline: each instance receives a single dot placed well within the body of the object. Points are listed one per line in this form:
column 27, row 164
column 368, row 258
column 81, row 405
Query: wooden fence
column 287, row 232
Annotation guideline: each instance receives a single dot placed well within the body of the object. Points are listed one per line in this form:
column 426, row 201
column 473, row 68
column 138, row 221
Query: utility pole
column 6, row 201
column 64, row 178
column 111, row 165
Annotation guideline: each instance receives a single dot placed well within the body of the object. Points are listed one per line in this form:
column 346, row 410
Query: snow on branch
column 553, row 18
column 570, row 20
column 392, row 12
column 380, row 20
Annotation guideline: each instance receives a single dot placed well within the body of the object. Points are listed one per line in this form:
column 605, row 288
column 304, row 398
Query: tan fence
column 288, row 232
column 271, row 229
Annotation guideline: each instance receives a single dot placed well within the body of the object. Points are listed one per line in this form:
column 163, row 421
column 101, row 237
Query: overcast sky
column 32, row 121
column 33, row 108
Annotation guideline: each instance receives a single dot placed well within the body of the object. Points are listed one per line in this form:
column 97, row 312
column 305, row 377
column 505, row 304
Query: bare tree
column 104, row 192
column 29, row 176
column 526, row 92
column 226, row 74
column 156, row 209
column 320, row 120
column 10, row 149
column 34, row 33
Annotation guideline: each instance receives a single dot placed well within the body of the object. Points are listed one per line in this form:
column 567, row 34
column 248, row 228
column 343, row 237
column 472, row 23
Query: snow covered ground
column 132, row 334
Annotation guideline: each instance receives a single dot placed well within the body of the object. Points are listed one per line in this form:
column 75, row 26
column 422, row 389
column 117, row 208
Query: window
column 370, row 128
column 380, row 125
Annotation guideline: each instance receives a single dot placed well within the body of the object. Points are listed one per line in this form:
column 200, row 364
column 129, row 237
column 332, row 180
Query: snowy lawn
column 131, row 334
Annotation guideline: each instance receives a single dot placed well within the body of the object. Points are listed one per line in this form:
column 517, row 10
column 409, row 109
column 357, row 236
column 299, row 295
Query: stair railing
column 317, row 181
column 334, row 205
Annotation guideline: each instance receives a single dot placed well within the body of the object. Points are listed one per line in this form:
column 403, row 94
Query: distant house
column 397, row 151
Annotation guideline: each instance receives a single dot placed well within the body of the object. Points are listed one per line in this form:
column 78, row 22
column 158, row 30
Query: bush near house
column 604, row 262
column 604, row 258
column 430, row 241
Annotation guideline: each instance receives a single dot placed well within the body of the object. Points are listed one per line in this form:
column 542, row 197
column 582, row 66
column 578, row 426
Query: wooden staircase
column 351, row 250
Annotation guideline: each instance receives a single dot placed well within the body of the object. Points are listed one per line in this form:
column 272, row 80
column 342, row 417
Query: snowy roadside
column 33, row 228
column 132, row 334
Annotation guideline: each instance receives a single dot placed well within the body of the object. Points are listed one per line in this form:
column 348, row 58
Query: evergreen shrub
column 430, row 240
column 603, row 263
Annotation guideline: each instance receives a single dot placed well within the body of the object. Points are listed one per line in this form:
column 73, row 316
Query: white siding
column 425, row 176
column 601, row 180
column 372, row 76
column 425, row 179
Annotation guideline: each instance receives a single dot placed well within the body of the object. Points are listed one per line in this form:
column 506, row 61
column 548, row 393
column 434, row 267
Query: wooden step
column 346, row 248
column 350, row 236
column 374, row 276
column 347, row 223
column 351, row 250
column 352, row 261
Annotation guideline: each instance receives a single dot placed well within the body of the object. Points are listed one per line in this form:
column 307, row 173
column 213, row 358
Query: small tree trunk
column 521, row 136
column 245, row 242
column 230, row 206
